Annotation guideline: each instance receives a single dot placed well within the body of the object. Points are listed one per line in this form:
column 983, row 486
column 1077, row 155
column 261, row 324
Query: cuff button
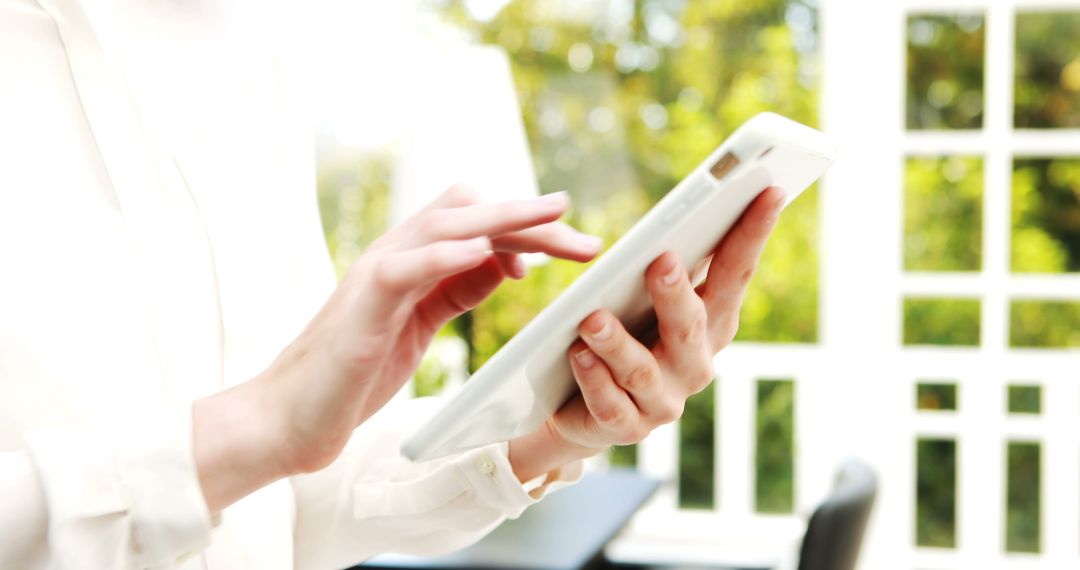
column 485, row 465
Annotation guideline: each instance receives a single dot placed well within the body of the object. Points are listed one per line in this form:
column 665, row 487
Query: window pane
column 1025, row 399
column 943, row 214
column 935, row 397
column 941, row 321
column 429, row 379
column 775, row 457
column 935, row 493
column 781, row 302
column 1046, row 215
column 697, row 450
column 945, row 71
column 354, row 199
column 623, row 455
column 1022, row 517
column 1047, row 89
column 1044, row 324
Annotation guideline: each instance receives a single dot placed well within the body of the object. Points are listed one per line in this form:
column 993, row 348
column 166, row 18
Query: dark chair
column 835, row 531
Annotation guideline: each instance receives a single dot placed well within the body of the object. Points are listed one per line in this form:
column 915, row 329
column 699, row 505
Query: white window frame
column 855, row 389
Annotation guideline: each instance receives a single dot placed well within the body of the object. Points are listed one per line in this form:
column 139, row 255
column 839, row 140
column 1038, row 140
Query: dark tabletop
column 565, row 531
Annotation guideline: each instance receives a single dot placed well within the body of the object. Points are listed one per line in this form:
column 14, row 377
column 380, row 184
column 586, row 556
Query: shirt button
column 485, row 465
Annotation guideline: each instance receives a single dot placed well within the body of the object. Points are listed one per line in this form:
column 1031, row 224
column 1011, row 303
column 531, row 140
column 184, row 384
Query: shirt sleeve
column 104, row 496
column 372, row 500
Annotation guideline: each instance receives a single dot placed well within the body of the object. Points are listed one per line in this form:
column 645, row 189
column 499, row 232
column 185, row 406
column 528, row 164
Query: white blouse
column 159, row 241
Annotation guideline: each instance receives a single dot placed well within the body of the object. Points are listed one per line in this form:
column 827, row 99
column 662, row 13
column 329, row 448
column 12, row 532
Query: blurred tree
column 1047, row 87
column 1046, row 215
column 353, row 202
column 935, row 396
column 1044, row 324
column 937, row 189
column 1025, row 399
column 697, row 451
column 620, row 106
column 774, row 457
column 945, row 71
column 935, row 493
column 941, row 321
column 619, row 109
column 1023, row 497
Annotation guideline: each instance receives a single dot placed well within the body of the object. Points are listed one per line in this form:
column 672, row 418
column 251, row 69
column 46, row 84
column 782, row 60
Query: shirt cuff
column 490, row 474
column 484, row 473
column 131, row 489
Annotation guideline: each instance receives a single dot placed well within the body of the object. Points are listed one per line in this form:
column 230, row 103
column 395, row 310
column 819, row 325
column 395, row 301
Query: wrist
column 236, row 443
column 544, row 450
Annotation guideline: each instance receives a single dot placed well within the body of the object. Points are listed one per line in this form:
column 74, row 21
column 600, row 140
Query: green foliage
column 941, row 321
column 623, row 455
column 619, row 115
column 514, row 304
column 430, row 378
column 1046, row 215
column 1023, row 496
column 1025, row 399
column 1047, row 86
column 945, row 71
column 354, row 204
column 935, row 396
column 935, row 493
column 774, row 460
column 936, row 190
column 1044, row 324
column 697, row 451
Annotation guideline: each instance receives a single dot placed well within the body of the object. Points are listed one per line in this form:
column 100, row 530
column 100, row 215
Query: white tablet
column 529, row 378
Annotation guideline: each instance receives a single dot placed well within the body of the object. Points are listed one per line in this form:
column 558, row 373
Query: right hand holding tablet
column 628, row 389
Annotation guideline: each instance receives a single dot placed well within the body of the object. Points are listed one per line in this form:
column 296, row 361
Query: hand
column 369, row 337
column 628, row 389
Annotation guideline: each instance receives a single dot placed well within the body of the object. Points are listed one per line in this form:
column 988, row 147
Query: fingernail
column 517, row 267
column 591, row 243
column 585, row 358
column 480, row 244
column 556, row 198
column 780, row 198
column 671, row 277
column 603, row 332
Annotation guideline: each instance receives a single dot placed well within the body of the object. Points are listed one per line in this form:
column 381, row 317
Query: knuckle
column 637, row 433
column 725, row 266
column 440, row 253
column 640, row 377
column 383, row 275
column 433, row 224
column 708, row 369
column 610, row 415
column 668, row 411
column 514, row 210
column 591, row 384
column 694, row 332
column 698, row 382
